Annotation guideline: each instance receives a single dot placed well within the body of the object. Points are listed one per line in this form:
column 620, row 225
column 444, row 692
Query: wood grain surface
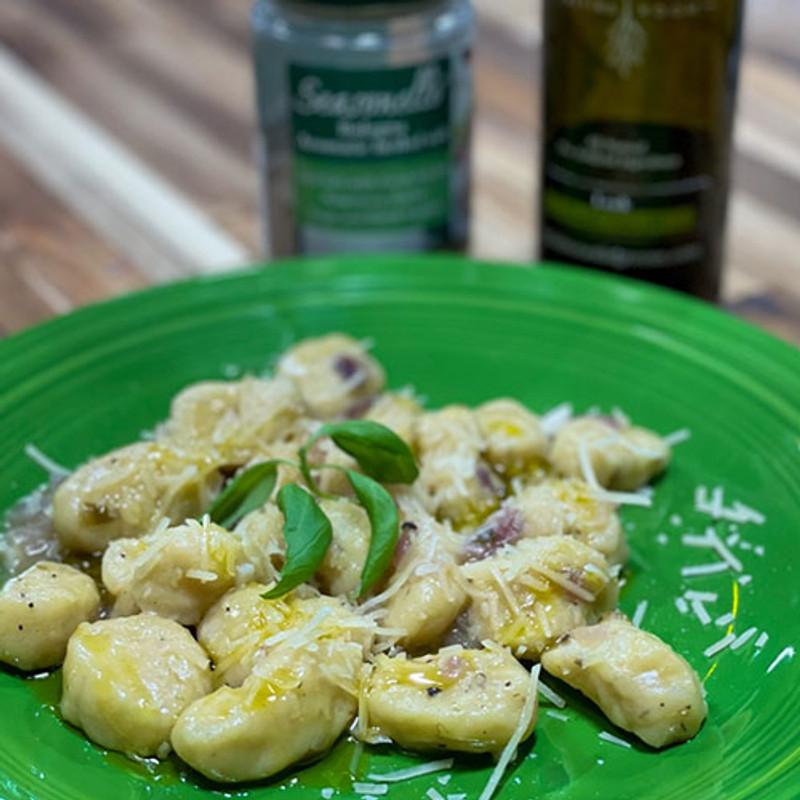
column 126, row 150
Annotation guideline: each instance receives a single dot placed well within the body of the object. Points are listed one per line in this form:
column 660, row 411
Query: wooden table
column 126, row 131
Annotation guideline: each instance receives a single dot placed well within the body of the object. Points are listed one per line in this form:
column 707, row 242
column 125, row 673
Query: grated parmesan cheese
column 719, row 646
column 434, row 795
column 724, row 620
column 704, row 569
column 682, row 605
column 359, row 748
column 640, row 498
column 510, row 750
column 762, row 640
column 370, row 788
column 557, row 715
column 556, row 699
column 715, row 508
column 786, row 653
column 609, row 737
column 711, row 540
column 52, row 468
column 700, row 612
column 412, row 772
column 564, row 582
column 744, row 638
column 556, row 418
column 202, row 575
column 586, row 465
column 638, row 615
column 704, row 597
column 677, row 437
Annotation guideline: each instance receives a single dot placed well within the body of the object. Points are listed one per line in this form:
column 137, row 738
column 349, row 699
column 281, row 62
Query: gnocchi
column 177, row 572
column 464, row 700
column 39, row 611
column 619, row 456
column 127, row 492
column 127, row 680
column 639, row 682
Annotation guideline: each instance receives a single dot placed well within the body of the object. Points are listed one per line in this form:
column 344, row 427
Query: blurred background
column 127, row 150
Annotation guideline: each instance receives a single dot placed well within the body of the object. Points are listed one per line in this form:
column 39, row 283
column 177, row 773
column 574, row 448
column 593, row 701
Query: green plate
column 463, row 331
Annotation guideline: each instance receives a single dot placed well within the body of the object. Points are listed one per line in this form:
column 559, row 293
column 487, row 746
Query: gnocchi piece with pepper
column 40, row 609
column 639, row 682
column 127, row 492
column 177, row 572
column 528, row 595
column 468, row 701
column 127, row 680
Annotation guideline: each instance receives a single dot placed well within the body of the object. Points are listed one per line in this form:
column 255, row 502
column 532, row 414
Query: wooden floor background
column 126, row 150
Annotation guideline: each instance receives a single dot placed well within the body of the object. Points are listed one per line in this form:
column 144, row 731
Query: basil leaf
column 247, row 492
column 379, row 451
column 308, row 533
column 384, row 522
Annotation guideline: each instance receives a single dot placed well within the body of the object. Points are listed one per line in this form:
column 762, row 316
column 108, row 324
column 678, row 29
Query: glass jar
column 364, row 124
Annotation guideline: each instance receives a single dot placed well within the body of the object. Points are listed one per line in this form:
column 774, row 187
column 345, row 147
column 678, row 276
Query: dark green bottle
column 638, row 106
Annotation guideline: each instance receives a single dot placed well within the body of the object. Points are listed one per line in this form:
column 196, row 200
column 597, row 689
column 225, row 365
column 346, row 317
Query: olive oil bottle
column 638, row 106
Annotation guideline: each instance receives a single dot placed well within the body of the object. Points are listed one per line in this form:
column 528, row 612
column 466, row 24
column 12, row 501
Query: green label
column 624, row 196
column 372, row 148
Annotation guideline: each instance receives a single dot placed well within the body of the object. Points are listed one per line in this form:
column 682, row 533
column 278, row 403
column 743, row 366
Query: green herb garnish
column 384, row 524
column 378, row 450
column 308, row 533
column 382, row 455
column 247, row 492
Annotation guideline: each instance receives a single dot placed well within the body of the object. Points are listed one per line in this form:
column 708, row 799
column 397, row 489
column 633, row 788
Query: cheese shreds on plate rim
column 786, row 653
column 720, row 645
